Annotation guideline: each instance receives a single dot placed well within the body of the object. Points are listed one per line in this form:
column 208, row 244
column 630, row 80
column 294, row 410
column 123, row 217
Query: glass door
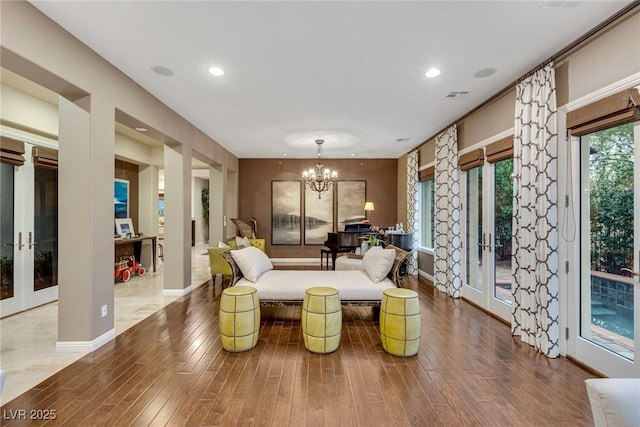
column 607, row 324
column 488, row 211
column 29, row 227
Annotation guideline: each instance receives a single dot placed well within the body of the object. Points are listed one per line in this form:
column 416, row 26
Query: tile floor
column 28, row 340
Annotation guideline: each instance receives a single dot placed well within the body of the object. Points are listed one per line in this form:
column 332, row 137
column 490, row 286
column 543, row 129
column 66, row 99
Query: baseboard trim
column 177, row 292
column 426, row 276
column 85, row 346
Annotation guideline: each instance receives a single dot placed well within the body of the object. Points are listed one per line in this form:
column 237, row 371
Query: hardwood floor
column 170, row 369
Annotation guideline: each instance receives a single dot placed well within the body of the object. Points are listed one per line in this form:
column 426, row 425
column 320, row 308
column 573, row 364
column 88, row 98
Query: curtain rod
column 570, row 48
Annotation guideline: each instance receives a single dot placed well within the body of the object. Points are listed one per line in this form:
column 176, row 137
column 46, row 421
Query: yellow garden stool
column 400, row 322
column 239, row 318
column 321, row 319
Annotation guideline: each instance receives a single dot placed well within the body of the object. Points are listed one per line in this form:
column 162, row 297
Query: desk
column 137, row 247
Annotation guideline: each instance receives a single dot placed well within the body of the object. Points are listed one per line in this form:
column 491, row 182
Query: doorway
column 488, row 212
column 603, row 323
column 29, row 230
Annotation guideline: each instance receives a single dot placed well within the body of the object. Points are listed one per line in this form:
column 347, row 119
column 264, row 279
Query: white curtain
column 413, row 209
column 535, row 213
column 448, row 250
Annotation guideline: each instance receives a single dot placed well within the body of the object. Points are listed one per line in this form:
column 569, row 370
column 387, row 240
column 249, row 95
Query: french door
column 604, row 319
column 488, row 211
column 28, row 235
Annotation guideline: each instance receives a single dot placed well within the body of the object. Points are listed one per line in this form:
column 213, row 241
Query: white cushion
column 377, row 262
column 252, row 262
column 614, row 401
column 222, row 245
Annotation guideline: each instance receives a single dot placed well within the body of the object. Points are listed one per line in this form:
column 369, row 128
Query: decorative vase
column 364, row 247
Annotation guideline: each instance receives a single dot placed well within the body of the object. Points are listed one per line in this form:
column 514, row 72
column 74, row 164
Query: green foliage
column 204, row 197
column 611, row 198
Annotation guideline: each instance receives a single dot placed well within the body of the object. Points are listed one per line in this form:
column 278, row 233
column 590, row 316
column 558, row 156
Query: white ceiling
column 351, row 73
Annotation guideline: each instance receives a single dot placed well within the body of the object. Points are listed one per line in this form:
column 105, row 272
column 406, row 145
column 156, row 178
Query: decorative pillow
column 244, row 229
column 222, row 244
column 252, row 262
column 377, row 262
column 242, row 242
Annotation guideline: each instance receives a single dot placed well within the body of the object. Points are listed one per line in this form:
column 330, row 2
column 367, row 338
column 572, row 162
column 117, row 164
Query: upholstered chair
column 218, row 265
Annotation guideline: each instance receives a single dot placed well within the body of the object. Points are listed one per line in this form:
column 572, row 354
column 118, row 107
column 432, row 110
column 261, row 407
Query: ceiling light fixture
column 216, row 71
column 162, row 71
column 319, row 179
column 432, row 72
column 141, row 129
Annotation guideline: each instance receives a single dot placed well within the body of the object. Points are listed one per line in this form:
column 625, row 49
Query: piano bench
column 324, row 254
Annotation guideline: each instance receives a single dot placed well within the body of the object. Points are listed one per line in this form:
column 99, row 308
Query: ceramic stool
column 239, row 318
column 400, row 322
column 321, row 319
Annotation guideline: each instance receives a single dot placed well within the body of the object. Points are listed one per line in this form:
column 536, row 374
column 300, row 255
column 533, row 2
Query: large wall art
column 318, row 216
column 285, row 213
column 351, row 198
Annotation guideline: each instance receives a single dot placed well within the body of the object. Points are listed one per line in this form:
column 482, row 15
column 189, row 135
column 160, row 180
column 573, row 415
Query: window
column 428, row 213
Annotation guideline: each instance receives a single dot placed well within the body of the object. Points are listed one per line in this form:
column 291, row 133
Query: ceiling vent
column 457, row 94
column 401, row 140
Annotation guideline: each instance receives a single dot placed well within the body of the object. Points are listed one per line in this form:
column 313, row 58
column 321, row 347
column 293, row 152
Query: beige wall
column 36, row 48
column 255, row 193
column 608, row 59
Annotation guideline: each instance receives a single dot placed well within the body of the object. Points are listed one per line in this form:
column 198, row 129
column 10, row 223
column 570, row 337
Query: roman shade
column 11, row 151
column 500, row 150
column 614, row 110
column 45, row 157
column 427, row 174
column 471, row 160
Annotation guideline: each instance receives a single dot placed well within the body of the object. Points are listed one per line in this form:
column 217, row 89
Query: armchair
column 217, row 263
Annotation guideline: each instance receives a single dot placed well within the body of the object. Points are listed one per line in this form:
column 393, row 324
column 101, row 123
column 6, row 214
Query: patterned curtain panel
column 413, row 209
column 448, row 250
column 535, row 214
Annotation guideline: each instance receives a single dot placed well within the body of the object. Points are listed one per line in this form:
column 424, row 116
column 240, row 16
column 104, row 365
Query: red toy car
column 126, row 266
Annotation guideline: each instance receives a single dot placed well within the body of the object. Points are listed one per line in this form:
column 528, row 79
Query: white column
column 177, row 219
column 86, row 225
column 147, row 209
column 216, row 206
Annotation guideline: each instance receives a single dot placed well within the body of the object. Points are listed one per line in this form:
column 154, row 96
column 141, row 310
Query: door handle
column 31, row 242
column 20, row 244
column 489, row 244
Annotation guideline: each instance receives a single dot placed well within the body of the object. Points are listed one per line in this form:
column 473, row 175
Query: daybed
column 381, row 270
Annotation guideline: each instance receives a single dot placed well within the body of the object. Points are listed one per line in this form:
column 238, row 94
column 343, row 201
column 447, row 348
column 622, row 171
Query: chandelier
column 319, row 179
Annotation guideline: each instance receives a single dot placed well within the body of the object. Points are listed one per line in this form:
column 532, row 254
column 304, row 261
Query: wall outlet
column 104, row 311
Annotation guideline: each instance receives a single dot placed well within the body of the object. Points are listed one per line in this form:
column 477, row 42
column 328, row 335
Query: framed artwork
column 124, row 227
column 286, row 213
column 121, row 198
column 351, row 198
column 318, row 216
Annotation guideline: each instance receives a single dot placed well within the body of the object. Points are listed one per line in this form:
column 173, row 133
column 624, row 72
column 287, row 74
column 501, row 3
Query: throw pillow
column 377, row 262
column 252, row 262
column 222, row 244
column 242, row 242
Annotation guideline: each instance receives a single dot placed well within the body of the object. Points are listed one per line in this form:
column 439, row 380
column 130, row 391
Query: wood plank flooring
column 170, row 369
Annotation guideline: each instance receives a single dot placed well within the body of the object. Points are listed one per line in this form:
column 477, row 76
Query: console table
column 136, row 242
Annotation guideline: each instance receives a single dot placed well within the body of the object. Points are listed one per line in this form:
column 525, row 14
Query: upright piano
column 347, row 240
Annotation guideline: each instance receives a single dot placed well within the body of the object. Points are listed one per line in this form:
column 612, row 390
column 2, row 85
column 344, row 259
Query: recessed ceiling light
column 485, row 72
column 433, row 72
column 163, row 71
column 141, row 129
column 353, row 155
column 284, row 154
column 216, row 71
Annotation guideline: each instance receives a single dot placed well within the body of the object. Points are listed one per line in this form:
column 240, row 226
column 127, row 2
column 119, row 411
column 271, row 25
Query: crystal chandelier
column 319, row 179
